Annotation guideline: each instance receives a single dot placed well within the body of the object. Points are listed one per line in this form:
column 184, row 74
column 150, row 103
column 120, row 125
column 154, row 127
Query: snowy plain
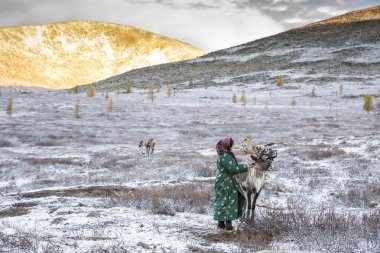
column 81, row 184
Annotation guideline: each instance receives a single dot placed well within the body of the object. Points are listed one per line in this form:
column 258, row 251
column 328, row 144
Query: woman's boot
column 229, row 225
column 221, row 224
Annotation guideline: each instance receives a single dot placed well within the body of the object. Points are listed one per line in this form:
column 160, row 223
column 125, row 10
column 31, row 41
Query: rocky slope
column 64, row 54
column 346, row 51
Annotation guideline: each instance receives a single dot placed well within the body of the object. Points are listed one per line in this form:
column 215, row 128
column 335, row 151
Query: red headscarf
column 224, row 146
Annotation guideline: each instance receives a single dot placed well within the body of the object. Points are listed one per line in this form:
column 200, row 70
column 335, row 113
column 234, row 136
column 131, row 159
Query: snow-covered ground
column 81, row 185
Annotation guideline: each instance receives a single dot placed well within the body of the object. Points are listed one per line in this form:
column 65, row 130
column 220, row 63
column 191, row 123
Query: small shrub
column 109, row 106
column 9, row 109
column 75, row 89
column 313, row 92
column 90, row 91
column 150, row 93
column 234, row 99
column 368, row 103
column 169, row 92
column 341, row 89
column 77, row 110
column 243, row 99
column 128, row 89
column 280, row 80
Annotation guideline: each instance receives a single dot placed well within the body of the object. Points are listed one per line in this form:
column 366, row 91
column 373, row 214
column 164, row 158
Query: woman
column 229, row 201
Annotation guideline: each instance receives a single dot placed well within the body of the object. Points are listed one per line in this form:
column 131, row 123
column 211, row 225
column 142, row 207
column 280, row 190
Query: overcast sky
column 207, row 24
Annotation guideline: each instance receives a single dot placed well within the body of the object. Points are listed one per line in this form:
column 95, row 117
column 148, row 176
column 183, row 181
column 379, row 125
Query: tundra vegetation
column 169, row 91
column 243, row 99
column 151, row 93
column 109, row 105
column 128, row 88
column 77, row 109
column 9, row 109
column 234, row 98
column 90, row 91
column 368, row 103
column 70, row 188
column 280, row 80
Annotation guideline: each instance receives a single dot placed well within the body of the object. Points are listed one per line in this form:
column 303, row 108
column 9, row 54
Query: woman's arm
column 227, row 162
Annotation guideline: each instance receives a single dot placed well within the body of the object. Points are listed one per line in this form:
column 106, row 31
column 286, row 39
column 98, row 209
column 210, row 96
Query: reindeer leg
column 254, row 204
column 152, row 149
column 249, row 199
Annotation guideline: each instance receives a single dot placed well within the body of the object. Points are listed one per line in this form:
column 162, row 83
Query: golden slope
column 371, row 13
column 62, row 55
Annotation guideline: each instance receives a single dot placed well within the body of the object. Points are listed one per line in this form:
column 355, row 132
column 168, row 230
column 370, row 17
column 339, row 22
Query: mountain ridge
column 312, row 54
column 371, row 13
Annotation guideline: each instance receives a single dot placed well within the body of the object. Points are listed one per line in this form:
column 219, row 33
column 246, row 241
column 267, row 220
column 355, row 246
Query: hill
column 66, row 54
column 314, row 54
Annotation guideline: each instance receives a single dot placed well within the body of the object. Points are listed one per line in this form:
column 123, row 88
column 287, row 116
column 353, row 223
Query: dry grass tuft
column 14, row 211
column 323, row 230
column 51, row 161
column 90, row 91
column 194, row 197
column 365, row 195
column 317, row 153
column 280, row 80
column 368, row 103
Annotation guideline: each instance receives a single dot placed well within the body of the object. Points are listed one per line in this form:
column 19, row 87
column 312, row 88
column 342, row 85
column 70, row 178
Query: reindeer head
column 263, row 157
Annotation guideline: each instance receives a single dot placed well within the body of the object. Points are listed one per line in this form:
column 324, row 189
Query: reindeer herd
column 252, row 182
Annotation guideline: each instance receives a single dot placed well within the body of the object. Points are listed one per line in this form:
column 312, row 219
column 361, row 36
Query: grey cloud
column 306, row 11
column 165, row 2
column 161, row 2
column 200, row 5
column 26, row 12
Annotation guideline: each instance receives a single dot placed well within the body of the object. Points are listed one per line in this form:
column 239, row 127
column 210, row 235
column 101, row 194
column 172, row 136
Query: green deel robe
column 226, row 188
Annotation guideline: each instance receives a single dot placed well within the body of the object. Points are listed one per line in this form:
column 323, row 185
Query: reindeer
column 149, row 146
column 253, row 181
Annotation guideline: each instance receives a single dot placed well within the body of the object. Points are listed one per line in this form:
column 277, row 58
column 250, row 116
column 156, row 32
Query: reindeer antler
column 270, row 154
column 255, row 152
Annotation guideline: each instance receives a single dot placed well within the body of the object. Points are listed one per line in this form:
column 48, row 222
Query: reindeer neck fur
column 256, row 179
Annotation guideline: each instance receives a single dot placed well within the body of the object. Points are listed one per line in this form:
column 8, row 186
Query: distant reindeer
column 253, row 181
column 149, row 146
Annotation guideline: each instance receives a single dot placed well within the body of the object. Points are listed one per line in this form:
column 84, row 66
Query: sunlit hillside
column 65, row 54
column 371, row 13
